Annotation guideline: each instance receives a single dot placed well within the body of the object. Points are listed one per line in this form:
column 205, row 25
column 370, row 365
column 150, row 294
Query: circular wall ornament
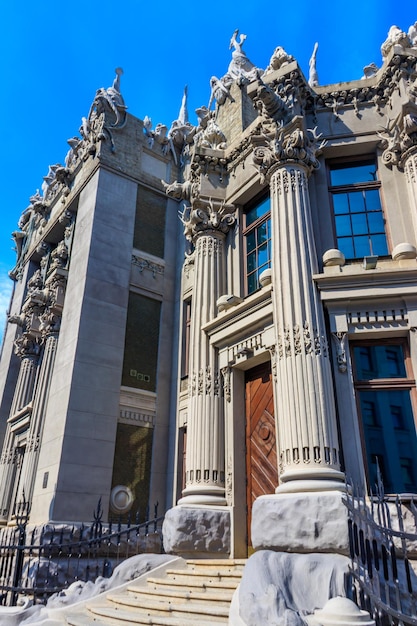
column 121, row 499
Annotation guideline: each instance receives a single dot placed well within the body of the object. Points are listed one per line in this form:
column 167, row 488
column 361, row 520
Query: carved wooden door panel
column 261, row 449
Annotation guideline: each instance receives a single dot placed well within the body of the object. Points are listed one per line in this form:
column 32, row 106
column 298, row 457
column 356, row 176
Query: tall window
column 359, row 221
column 186, row 328
column 384, row 389
column 257, row 236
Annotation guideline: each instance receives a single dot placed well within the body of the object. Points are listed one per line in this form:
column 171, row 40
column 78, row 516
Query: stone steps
column 198, row 595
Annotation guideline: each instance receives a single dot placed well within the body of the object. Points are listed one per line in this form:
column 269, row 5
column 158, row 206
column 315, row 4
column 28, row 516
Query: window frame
column 338, row 163
column 401, row 383
column 253, row 227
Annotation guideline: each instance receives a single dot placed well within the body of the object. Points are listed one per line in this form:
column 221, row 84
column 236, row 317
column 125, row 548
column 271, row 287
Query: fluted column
column 303, row 381
column 205, row 427
column 306, row 416
column 206, row 224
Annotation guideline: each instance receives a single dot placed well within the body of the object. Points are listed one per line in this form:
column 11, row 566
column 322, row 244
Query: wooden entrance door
column 261, row 449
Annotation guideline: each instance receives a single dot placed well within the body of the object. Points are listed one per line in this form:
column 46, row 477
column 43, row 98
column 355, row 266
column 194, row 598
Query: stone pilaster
column 28, row 350
column 306, row 418
column 27, row 478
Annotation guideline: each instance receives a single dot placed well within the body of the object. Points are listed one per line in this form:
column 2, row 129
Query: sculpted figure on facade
column 412, row 34
column 110, row 103
column 313, row 77
column 291, row 143
column 279, row 59
column 396, row 37
column 240, row 68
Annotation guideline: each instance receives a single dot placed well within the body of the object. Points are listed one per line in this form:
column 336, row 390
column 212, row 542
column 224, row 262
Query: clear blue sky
column 55, row 54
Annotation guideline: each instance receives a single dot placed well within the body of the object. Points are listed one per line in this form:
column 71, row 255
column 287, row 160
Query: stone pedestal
column 301, row 522
column 197, row 532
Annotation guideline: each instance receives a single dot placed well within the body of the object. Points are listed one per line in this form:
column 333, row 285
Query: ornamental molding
column 205, row 382
column 289, row 144
column 40, row 315
column 298, row 340
column 201, row 215
column 399, row 138
column 146, row 264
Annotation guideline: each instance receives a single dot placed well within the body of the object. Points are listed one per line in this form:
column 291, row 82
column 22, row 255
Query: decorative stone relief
column 204, row 214
column 279, row 59
column 396, row 37
column 226, row 373
column 296, row 340
column 291, row 143
column 145, row 264
column 339, row 339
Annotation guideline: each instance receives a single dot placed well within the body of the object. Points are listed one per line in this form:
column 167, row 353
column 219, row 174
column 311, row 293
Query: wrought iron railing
column 383, row 548
column 39, row 561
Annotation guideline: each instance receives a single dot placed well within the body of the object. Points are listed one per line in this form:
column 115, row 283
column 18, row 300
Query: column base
column 317, row 479
column 200, row 495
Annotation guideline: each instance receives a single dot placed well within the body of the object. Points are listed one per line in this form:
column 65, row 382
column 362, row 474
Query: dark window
column 186, row 327
column 358, row 216
column 257, row 235
column 384, row 388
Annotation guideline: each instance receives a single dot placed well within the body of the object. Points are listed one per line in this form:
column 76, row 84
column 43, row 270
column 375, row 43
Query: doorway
column 261, row 447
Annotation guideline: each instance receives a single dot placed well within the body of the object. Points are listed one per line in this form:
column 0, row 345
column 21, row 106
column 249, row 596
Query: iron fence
column 383, row 547
column 39, row 561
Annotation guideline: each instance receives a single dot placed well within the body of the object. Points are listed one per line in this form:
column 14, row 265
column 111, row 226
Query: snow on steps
column 198, row 595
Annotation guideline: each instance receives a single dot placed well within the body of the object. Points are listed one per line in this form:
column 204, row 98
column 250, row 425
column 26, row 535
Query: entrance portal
column 261, row 449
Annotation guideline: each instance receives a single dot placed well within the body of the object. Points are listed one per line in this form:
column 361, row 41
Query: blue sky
column 55, row 54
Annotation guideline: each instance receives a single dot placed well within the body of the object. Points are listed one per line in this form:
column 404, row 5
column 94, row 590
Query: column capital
column 399, row 141
column 291, row 143
column 201, row 215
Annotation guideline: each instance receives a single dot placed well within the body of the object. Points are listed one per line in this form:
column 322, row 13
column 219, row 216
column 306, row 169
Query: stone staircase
column 197, row 595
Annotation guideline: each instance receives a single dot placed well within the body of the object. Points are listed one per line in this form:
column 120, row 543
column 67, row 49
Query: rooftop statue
column 412, row 34
column 313, row 77
column 240, row 68
column 396, row 37
column 370, row 70
column 109, row 99
column 278, row 59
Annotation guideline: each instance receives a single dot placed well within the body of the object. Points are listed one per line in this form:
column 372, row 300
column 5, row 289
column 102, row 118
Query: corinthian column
column 206, row 224
column 306, row 419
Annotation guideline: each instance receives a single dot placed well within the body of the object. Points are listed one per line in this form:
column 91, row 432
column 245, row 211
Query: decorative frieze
column 145, row 264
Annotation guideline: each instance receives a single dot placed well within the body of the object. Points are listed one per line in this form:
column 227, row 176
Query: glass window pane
column 251, row 241
column 345, row 245
column 257, row 211
column 262, row 234
column 376, row 222
column 343, row 225
column 342, row 175
column 263, row 255
column 379, row 361
column 251, row 262
column 379, row 245
column 252, row 282
column 359, row 224
column 357, row 202
column 340, row 203
column 373, row 200
column 362, row 246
